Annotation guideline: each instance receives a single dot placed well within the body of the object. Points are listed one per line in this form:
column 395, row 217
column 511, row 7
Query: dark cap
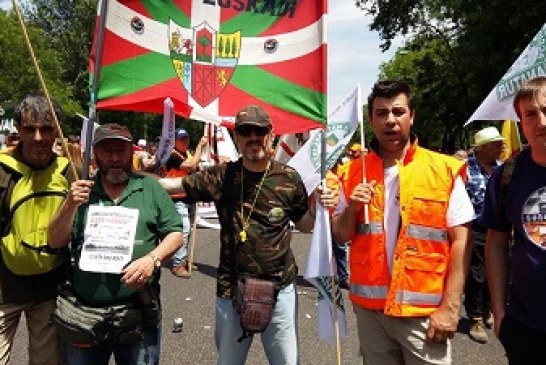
column 181, row 133
column 112, row 131
column 253, row 115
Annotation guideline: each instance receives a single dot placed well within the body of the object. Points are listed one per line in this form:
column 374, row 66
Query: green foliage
column 68, row 27
column 18, row 76
column 456, row 51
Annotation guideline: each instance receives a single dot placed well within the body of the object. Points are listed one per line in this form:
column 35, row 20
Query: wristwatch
column 157, row 261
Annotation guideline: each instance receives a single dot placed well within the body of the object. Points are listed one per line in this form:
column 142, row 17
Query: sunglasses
column 247, row 130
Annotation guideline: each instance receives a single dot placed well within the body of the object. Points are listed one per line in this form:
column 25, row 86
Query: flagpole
column 363, row 144
column 192, row 241
column 94, row 88
column 333, row 277
column 44, row 88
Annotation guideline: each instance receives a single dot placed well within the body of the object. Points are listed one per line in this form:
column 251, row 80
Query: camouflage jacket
column 266, row 251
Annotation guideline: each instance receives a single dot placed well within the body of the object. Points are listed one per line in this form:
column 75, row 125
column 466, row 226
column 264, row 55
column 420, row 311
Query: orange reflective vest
column 178, row 173
column 421, row 257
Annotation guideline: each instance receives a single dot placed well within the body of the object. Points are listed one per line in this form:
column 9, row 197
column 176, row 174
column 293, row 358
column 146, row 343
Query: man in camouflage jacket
column 256, row 198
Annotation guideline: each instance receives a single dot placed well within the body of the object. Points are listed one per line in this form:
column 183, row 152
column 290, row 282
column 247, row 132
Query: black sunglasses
column 247, row 130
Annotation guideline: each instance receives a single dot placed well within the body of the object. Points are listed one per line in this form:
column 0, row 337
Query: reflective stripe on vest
column 427, row 233
column 411, row 297
column 371, row 228
column 369, row 291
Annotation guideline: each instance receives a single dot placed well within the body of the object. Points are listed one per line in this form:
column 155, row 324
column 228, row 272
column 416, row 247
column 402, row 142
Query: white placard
column 108, row 239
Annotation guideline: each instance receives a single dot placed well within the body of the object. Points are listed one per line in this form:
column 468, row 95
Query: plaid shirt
column 477, row 183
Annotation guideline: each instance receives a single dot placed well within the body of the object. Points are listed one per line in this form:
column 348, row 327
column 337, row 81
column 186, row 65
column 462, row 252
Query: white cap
column 487, row 135
column 141, row 143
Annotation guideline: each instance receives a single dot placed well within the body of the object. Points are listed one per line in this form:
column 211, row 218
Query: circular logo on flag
column 271, row 45
column 335, row 132
column 137, row 25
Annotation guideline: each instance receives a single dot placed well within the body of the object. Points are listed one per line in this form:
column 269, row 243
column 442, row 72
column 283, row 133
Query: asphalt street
column 193, row 301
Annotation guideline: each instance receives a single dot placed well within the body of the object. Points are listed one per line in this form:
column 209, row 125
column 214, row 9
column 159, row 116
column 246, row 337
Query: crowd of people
column 414, row 232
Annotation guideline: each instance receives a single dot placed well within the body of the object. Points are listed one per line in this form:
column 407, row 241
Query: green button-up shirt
column 156, row 219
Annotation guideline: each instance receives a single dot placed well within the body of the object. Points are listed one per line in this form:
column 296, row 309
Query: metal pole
column 94, row 88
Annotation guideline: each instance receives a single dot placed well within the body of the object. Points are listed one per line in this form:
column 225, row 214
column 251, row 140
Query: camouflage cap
column 253, row 115
column 112, row 131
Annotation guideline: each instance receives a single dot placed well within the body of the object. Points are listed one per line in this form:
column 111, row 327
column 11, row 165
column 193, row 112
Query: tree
column 18, row 76
column 463, row 48
column 68, row 26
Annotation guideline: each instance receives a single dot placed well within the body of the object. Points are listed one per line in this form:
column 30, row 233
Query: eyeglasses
column 247, row 130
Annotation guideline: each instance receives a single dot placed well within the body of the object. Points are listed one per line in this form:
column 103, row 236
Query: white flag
column 320, row 272
column 342, row 123
column 166, row 143
column 83, row 132
column 530, row 64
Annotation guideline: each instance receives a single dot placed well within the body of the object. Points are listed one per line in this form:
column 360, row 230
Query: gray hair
column 35, row 107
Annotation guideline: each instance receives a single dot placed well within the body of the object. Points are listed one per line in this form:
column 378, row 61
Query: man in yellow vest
column 409, row 231
column 33, row 185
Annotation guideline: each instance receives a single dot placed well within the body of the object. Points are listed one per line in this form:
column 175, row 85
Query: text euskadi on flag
column 212, row 59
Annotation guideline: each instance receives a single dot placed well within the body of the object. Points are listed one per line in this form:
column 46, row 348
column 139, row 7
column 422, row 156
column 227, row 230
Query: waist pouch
column 77, row 323
column 254, row 301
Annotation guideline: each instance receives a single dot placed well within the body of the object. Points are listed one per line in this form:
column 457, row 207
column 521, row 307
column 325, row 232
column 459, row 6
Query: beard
column 115, row 174
column 255, row 156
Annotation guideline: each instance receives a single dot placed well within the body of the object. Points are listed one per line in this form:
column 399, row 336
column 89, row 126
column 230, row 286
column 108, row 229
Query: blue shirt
column 477, row 183
column 525, row 211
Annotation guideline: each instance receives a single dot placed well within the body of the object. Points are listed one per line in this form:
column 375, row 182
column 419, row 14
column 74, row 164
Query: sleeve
column 300, row 201
column 460, row 210
column 168, row 218
column 493, row 215
column 204, row 185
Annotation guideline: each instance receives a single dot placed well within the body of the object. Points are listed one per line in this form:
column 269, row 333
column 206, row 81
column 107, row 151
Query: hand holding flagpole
column 363, row 144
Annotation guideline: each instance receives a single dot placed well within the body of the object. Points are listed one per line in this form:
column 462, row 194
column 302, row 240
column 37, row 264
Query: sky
column 354, row 55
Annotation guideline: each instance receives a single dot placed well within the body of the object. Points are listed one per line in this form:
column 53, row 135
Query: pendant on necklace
column 242, row 235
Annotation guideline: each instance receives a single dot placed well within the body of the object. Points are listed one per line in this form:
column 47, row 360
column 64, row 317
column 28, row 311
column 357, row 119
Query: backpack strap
column 506, row 176
column 8, row 179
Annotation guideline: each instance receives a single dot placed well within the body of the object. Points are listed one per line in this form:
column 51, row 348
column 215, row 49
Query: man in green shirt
column 93, row 211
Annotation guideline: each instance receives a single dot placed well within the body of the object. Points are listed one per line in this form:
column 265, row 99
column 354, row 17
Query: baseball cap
column 487, row 135
column 141, row 143
column 181, row 133
column 112, row 131
column 253, row 115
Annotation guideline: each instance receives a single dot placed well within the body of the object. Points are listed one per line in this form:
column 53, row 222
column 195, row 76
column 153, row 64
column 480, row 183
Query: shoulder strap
column 8, row 179
column 506, row 177
column 228, row 185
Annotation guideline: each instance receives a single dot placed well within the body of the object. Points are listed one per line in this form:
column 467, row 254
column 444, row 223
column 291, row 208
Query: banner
column 166, row 143
column 212, row 58
column 512, row 140
column 83, row 132
column 320, row 272
column 288, row 145
column 530, row 64
column 224, row 150
column 342, row 123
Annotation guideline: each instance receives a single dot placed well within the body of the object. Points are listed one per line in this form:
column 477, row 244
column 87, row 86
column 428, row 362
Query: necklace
column 246, row 224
